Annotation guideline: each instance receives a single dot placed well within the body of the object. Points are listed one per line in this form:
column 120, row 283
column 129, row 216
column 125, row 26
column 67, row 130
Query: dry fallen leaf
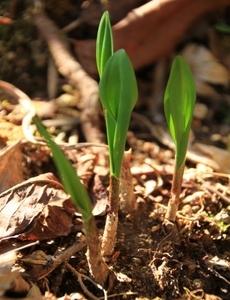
column 10, row 167
column 206, row 69
column 38, row 208
column 216, row 158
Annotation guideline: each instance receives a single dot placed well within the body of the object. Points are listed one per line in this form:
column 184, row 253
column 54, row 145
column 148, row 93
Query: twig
column 64, row 256
column 72, row 70
column 214, row 190
column 24, row 100
column 84, row 288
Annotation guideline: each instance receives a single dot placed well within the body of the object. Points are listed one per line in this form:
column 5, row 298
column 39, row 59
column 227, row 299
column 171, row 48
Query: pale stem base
column 110, row 232
column 97, row 266
column 175, row 193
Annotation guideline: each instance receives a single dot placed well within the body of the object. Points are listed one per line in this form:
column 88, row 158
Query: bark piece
column 165, row 22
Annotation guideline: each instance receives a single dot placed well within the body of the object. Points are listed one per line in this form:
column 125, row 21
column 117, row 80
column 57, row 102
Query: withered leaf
column 38, row 208
column 10, row 167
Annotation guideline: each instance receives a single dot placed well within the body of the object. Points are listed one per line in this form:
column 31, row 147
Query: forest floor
column 148, row 262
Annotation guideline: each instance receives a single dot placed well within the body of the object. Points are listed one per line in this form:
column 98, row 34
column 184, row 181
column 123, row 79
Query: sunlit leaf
column 179, row 101
column 118, row 94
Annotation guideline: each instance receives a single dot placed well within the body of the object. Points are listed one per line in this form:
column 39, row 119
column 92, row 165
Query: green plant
column 79, row 196
column 179, row 101
column 118, row 94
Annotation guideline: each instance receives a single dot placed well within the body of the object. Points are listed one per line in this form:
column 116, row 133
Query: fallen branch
column 72, row 70
column 151, row 31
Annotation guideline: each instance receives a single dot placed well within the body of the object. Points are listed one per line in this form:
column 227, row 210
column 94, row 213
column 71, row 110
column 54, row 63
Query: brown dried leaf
column 216, row 158
column 11, row 160
column 165, row 23
column 37, row 207
column 206, row 69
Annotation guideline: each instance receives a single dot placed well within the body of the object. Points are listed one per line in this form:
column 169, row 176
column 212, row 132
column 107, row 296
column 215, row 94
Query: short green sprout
column 179, row 101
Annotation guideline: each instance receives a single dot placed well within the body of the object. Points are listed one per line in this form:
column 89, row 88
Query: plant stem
column 110, row 232
column 98, row 268
column 174, row 201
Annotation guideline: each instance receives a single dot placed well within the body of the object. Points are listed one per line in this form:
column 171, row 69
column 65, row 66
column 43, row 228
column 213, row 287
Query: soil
column 149, row 262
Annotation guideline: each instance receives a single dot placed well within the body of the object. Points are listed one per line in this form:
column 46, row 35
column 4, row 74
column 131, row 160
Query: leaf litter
column 39, row 209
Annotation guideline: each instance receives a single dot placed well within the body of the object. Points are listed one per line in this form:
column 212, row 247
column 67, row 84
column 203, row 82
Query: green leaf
column 179, row 101
column 104, row 44
column 68, row 175
column 118, row 93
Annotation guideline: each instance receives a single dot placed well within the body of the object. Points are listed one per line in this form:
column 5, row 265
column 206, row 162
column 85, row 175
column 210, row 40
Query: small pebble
column 200, row 111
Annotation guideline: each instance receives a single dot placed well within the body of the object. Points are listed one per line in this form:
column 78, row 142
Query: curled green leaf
column 104, row 44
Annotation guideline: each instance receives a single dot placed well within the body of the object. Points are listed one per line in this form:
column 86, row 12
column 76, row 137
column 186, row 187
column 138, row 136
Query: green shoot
column 179, row 101
column 82, row 201
column 118, row 94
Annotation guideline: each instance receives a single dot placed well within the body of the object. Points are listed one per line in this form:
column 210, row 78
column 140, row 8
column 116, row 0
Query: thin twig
column 84, row 288
column 72, row 70
column 64, row 256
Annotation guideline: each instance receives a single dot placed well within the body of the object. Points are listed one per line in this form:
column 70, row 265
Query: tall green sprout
column 179, row 101
column 118, row 94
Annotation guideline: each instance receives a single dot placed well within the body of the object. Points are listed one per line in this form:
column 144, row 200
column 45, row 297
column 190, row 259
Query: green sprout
column 80, row 198
column 179, row 101
column 118, row 94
